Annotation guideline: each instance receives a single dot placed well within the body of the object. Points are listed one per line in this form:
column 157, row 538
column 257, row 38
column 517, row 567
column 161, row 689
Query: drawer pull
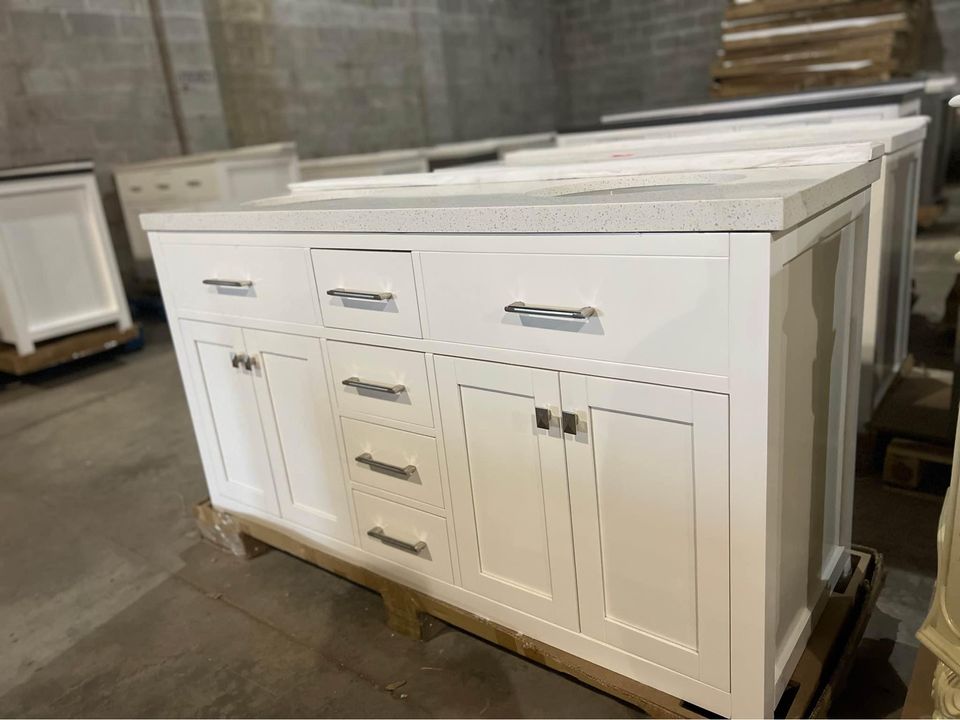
column 360, row 294
column 367, row 459
column 521, row 308
column 228, row 283
column 414, row 548
column 377, row 387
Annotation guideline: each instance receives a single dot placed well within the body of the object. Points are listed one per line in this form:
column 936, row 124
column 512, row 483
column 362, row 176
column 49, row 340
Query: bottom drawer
column 404, row 535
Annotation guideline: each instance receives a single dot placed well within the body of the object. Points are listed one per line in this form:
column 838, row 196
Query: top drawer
column 169, row 187
column 663, row 312
column 367, row 290
column 271, row 283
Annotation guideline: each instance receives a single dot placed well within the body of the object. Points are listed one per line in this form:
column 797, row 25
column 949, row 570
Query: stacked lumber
column 771, row 46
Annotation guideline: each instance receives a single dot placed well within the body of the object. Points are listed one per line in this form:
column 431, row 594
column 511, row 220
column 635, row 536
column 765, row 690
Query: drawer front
column 393, row 460
column 381, row 381
column 275, row 283
column 406, row 536
column 372, row 291
column 170, row 187
column 664, row 312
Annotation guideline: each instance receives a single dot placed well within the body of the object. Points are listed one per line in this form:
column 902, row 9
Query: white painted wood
column 298, row 425
column 408, row 525
column 281, row 285
column 649, row 488
column 466, row 294
column 380, row 272
column 386, row 367
column 508, row 486
column 398, row 448
column 58, row 272
column 228, row 411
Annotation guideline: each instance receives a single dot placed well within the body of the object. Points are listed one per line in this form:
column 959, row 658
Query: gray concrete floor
column 111, row 606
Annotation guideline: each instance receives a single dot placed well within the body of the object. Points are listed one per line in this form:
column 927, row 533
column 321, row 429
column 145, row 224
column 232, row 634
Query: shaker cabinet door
column 235, row 451
column 299, row 429
column 508, row 485
column 648, row 485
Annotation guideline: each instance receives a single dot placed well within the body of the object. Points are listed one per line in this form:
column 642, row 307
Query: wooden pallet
column 65, row 349
column 820, row 673
column 908, row 462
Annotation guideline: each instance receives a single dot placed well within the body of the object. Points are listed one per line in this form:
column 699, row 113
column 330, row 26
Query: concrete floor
column 111, row 606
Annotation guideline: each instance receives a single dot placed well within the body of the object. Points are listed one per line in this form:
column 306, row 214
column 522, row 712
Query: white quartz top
column 592, row 168
column 384, row 156
column 242, row 153
column 771, row 102
column 751, row 199
column 894, row 134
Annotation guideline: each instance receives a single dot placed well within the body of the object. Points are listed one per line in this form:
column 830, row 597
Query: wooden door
column 298, row 424
column 230, row 431
column 649, row 492
column 508, row 486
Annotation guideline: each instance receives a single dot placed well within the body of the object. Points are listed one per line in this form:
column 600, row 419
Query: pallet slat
column 66, row 349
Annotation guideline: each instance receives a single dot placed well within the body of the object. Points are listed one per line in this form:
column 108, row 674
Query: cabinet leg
column 223, row 530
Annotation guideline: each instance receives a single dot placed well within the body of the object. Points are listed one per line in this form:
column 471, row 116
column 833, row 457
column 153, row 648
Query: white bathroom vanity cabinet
column 615, row 414
column 893, row 213
column 58, row 272
column 227, row 176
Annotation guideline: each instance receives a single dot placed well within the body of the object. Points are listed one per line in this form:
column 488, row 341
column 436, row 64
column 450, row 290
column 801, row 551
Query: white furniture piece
column 617, row 414
column 893, row 216
column 226, row 176
column 483, row 151
column 388, row 162
column 58, row 272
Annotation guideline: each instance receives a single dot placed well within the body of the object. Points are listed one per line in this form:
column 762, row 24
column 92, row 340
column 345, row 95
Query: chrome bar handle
column 236, row 359
column 521, row 308
column 416, row 548
column 375, row 386
column 228, row 283
column 360, row 294
column 368, row 460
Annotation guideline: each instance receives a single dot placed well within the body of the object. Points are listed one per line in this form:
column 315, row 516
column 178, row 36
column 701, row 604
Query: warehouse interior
column 125, row 593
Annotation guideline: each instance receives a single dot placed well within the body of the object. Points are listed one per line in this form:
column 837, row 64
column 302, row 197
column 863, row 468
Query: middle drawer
column 381, row 381
column 397, row 461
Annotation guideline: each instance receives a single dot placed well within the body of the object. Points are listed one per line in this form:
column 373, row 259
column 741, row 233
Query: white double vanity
column 616, row 414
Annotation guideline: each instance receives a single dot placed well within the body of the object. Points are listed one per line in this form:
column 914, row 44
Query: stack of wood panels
column 771, row 46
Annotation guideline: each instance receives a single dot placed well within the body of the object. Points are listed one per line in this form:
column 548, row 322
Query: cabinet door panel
column 299, row 427
column 648, row 485
column 234, row 447
column 508, row 486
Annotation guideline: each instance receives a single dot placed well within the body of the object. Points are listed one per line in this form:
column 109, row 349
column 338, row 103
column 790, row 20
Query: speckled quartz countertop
column 748, row 199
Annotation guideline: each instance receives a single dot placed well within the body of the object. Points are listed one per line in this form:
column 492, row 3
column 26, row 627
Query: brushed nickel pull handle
column 521, row 308
column 360, row 294
column 416, row 548
column 236, row 359
column 216, row 282
column 375, row 386
column 569, row 422
column 543, row 416
column 368, row 460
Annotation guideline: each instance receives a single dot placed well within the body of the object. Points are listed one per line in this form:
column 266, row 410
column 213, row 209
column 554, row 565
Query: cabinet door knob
column 521, row 308
column 360, row 294
column 249, row 362
column 368, row 460
column 356, row 382
column 543, row 416
column 236, row 359
column 416, row 548
column 569, row 422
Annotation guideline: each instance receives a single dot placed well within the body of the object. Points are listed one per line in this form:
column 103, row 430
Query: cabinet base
column 820, row 673
column 52, row 353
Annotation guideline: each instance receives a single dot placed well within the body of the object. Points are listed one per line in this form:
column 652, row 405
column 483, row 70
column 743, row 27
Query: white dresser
column 893, row 214
column 616, row 414
column 227, row 176
column 58, row 272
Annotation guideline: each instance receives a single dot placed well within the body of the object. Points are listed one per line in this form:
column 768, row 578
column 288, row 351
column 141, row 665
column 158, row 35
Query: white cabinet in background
column 225, row 177
column 58, row 272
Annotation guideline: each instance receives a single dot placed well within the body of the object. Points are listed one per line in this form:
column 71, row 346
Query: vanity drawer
column 406, row 536
column 381, row 381
column 664, row 312
column 260, row 282
column 393, row 460
column 367, row 290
